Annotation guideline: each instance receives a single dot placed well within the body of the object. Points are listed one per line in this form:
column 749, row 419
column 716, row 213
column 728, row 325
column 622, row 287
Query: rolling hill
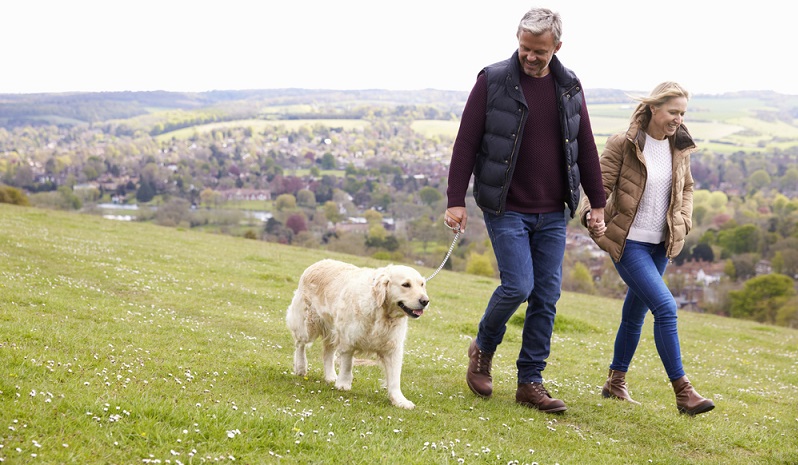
column 133, row 343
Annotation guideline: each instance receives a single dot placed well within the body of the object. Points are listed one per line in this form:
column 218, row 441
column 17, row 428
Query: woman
column 649, row 188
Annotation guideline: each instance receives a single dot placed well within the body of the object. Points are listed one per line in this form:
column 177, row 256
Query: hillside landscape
column 365, row 173
column 128, row 342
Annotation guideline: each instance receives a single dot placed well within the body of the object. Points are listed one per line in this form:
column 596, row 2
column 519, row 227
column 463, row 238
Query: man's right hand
column 455, row 216
column 595, row 222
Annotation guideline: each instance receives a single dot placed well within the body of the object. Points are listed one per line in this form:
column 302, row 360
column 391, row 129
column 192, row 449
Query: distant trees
column 739, row 239
column 62, row 199
column 180, row 119
column 429, row 195
column 480, row 265
column 210, row 198
column 332, row 212
column 785, row 256
column 759, row 179
column 174, row 212
column 275, row 231
column 145, row 192
column 285, row 202
column 306, row 198
column 764, row 299
column 789, row 182
column 13, row 196
column 703, row 252
column 581, row 280
column 297, row 223
column 327, row 161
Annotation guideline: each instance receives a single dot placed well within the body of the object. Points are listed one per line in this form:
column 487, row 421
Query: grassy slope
column 132, row 343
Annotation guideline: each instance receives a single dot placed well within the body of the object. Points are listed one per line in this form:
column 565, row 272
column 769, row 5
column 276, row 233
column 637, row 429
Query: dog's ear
column 380, row 286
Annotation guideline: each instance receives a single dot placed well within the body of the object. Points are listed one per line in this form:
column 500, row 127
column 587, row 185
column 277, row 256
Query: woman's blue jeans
column 641, row 267
column 529, row 249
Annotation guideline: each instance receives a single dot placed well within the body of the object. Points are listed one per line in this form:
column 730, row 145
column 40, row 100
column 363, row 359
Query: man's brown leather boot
column 536, row 396
column 478, row 375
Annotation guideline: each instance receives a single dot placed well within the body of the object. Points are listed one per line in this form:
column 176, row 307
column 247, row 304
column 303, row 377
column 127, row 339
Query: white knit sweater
column 650, row 221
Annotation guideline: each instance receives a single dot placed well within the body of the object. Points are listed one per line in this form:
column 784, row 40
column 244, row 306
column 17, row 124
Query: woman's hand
column 595, row 222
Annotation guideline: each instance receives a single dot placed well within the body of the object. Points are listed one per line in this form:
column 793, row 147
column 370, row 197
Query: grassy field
column 433, row 127
column 125, row 343
column 259, row 125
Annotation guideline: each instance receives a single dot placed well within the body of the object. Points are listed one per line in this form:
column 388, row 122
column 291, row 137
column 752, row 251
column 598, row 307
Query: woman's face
column 666, row 118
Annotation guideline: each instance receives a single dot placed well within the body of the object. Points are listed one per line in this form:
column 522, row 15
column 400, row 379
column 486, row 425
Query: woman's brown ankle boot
column 688, row 400
column 615, row 387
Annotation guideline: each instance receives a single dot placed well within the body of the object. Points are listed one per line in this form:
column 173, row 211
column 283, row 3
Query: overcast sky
column 178, row 45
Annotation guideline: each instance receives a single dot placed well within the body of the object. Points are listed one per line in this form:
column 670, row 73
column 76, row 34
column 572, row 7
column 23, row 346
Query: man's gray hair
column 539, row 20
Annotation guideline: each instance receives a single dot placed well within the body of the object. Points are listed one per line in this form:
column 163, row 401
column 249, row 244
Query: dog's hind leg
column 296, row 319
column 392, row 365
column 328, row 357
column 344, row 381
column 300, row 359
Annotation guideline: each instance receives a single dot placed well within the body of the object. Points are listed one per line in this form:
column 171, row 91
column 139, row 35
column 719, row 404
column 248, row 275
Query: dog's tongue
column 418, row 312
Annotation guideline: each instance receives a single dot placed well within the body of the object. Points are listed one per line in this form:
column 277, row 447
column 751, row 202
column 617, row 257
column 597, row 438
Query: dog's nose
column 423, row 302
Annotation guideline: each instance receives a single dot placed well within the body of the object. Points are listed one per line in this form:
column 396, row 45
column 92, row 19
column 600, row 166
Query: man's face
column 535, row 52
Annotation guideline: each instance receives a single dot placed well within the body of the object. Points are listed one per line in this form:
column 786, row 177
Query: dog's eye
column 405, row 284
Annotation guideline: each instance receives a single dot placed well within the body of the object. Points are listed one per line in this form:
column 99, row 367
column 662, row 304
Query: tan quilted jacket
column 623, row 172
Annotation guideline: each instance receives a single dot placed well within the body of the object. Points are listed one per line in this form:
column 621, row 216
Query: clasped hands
column 595, row 222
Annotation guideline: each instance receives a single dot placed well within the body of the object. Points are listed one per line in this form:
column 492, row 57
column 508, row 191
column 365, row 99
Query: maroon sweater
column 539, row 182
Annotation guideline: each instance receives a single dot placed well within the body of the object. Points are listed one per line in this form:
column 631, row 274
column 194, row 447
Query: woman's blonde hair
column 658, row 97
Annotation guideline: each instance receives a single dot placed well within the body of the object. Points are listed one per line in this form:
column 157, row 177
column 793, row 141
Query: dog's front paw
column 343, row 386
column 403, row 403
column 300, row 364
column 300, row 369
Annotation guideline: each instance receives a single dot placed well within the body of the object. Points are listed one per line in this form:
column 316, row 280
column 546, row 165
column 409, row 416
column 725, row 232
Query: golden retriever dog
column 356, row 309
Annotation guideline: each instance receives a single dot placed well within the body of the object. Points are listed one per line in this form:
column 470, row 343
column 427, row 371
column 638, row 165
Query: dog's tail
column 296, row 316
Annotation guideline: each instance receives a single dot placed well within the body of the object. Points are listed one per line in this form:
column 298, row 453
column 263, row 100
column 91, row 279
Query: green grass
column 131, row 343
column 434, row 127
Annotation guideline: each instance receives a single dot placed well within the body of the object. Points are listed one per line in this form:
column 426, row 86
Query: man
column 525, row 135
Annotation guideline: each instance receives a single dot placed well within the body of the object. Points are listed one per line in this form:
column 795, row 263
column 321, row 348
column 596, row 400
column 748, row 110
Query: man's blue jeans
column 641, row 267
column 529, row 249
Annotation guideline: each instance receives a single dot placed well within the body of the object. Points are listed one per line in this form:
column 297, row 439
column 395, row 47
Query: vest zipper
column 513, row 154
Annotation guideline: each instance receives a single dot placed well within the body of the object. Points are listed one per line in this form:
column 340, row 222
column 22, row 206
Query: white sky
column 709, row 46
